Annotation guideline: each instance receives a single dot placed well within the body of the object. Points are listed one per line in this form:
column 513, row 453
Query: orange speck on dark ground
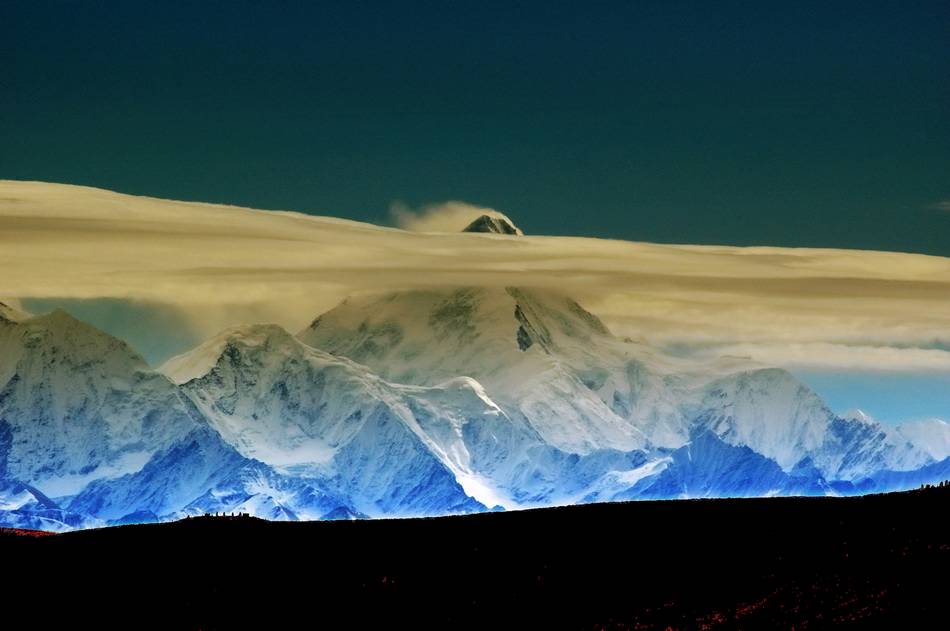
column 24, row 532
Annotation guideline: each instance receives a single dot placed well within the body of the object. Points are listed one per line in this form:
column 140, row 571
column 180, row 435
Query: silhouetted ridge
column 871, row 562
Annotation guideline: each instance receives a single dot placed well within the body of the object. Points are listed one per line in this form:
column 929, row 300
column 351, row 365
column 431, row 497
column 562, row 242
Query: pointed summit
column 253, row 338
column 856, row 414
column 493, row 225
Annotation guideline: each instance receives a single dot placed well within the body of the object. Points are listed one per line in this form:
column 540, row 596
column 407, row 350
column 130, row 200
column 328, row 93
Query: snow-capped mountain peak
column 199, row 361
column 931, row 436
column 768, row 410
column 537, row 352
column 79, row 404
column 493, row 225
column 857, row 414
column 308, row 413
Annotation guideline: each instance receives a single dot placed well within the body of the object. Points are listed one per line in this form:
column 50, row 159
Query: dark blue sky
column 793, row 123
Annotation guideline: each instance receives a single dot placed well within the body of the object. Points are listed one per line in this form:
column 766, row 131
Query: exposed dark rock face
column 494, row 225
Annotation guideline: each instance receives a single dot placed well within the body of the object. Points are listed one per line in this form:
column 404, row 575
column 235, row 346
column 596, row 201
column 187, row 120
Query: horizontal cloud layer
column 801, row 307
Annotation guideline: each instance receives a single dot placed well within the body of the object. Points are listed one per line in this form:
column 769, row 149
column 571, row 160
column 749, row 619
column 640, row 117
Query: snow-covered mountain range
column 422, row 402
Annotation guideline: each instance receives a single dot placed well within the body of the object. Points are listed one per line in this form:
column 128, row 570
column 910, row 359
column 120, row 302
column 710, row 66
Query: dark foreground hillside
column 791, row 563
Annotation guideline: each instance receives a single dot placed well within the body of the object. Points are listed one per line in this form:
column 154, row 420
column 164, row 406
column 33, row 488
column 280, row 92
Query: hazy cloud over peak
column 226, row 265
